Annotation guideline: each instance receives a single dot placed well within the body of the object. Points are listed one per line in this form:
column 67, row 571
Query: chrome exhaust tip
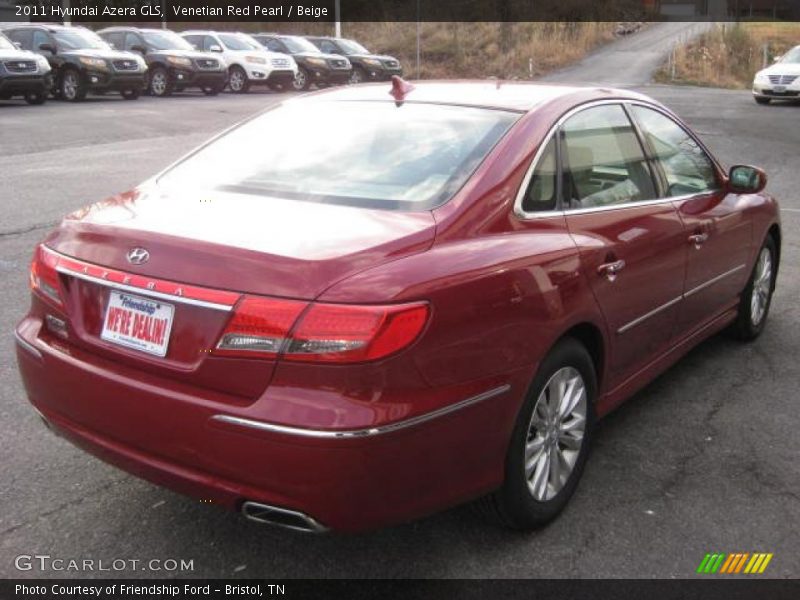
column 281, row 517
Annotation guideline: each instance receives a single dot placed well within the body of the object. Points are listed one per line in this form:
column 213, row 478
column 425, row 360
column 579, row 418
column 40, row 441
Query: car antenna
column 400, row 87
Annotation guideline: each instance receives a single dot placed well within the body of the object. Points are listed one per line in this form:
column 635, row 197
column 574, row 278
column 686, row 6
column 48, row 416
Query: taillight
column 259, row 327
column 343, row 333
column 44, row 277
column 332, row 333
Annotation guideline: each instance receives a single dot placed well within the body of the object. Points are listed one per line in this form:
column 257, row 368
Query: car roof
column 129, row 28
column 47, row 26
column 503, row 95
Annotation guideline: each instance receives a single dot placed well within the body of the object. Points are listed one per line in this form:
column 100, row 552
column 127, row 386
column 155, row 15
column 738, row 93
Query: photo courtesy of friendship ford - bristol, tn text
column 319, row 296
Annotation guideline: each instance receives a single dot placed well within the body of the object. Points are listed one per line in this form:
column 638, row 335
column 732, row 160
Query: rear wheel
column 161, row 83
column 550, row 442
column 238, row 81
column 36, row 98
column 760, row 100
column 757, row 296
column 72, row 88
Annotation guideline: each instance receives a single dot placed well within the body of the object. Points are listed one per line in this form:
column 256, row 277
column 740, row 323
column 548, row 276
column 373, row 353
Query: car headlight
column 373, row 62
column 256, row 60
column 44, row 66
column 95, row 63
column 319, row 62
column 179, row 61
column 762, row 77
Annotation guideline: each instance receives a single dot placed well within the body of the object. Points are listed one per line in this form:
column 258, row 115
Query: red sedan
column 366, row 305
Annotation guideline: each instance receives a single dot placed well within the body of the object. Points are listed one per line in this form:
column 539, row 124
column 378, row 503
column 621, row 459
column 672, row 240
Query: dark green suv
column 173, row 64
column 81, row 61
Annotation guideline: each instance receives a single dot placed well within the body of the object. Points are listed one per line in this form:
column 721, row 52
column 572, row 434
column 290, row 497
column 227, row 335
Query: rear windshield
column 370, row 154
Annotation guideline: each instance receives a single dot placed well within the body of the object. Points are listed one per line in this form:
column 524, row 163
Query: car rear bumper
column 347, row 480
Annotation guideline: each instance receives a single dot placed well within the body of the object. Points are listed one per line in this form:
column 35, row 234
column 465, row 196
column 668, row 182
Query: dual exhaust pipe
column 281, row 517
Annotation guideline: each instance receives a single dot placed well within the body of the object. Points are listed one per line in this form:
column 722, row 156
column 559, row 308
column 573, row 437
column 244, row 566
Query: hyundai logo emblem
column 138, row 256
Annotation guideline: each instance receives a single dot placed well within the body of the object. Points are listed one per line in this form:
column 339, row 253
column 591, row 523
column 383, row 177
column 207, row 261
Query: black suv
column 366, row 66
column 82, row 62
column 313, row 66
column 172, row 63
column 22, row 74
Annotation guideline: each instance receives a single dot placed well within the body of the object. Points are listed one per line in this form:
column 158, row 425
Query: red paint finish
column 498, row 288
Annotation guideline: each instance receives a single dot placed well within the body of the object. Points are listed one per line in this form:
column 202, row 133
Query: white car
column 780, row 80
column 248, row 62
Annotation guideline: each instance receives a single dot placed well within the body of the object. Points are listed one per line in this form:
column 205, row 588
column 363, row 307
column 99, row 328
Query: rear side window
column 604, row 161
column 541, row 194
column 687, row 168
column 370, row 154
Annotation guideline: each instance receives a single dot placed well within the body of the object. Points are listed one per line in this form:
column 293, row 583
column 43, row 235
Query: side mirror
column 47, row 48
column 777, row 58
column 139, row 49
column 215, row 48
column 746, row 180
column 18, row 45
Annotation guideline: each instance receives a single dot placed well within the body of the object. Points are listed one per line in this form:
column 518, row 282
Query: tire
column 132, row 94
column 301, row 81
column 757, row 295
column 160, row 84
column 760, row 100
column 358, row 75
column 238, row 81
column 72, row 87
column 36, row 98
column 523, row 503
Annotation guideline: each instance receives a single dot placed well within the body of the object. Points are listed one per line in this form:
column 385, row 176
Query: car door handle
column 698, row 239
column 611, row 269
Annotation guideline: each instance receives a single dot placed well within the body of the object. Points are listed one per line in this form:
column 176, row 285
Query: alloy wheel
column 237, row 81
column 69, row 87
column 299, row 82
column 355, row 77
column 762, row 287
column 555, row 433
column 158, row 83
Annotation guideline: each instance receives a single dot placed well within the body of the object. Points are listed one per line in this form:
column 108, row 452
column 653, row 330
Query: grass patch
column 729, row 55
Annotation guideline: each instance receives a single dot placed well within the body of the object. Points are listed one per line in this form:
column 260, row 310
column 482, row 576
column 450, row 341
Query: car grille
column 782, row 79
column 126, row 65
column 391, row 64
column 20, row 66
column 281, row 63
column 338, row 64
column 207, row 63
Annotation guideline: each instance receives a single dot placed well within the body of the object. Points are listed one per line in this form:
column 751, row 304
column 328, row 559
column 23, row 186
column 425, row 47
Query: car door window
column 687, row 168
column 131, row 40
column 209, row 41
column 541, row 194
column 604, row 161
column 39, row 38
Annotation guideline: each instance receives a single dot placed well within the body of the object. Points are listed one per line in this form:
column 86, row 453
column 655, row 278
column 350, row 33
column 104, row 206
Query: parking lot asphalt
column 702, row 460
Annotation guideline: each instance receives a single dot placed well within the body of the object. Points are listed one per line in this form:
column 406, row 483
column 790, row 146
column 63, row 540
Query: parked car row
column 71, row 62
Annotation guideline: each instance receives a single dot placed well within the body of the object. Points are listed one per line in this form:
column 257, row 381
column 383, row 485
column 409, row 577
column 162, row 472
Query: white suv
column 248, row 62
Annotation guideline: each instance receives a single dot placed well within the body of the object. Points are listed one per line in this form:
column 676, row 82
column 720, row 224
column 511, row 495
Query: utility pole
column 67, row 18
column 337, row 9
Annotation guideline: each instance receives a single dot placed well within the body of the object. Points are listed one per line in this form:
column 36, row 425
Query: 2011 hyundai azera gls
column 365, row 305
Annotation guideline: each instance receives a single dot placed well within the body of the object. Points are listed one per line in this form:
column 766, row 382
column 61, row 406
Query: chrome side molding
column 360, row 433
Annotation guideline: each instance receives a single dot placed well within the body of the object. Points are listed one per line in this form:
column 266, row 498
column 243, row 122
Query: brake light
column 44, row 277
column 331, row 333
column 259, row 327
column 343, row 333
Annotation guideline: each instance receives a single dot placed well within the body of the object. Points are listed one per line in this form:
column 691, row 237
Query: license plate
column 138, row 323
column 779, row 89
